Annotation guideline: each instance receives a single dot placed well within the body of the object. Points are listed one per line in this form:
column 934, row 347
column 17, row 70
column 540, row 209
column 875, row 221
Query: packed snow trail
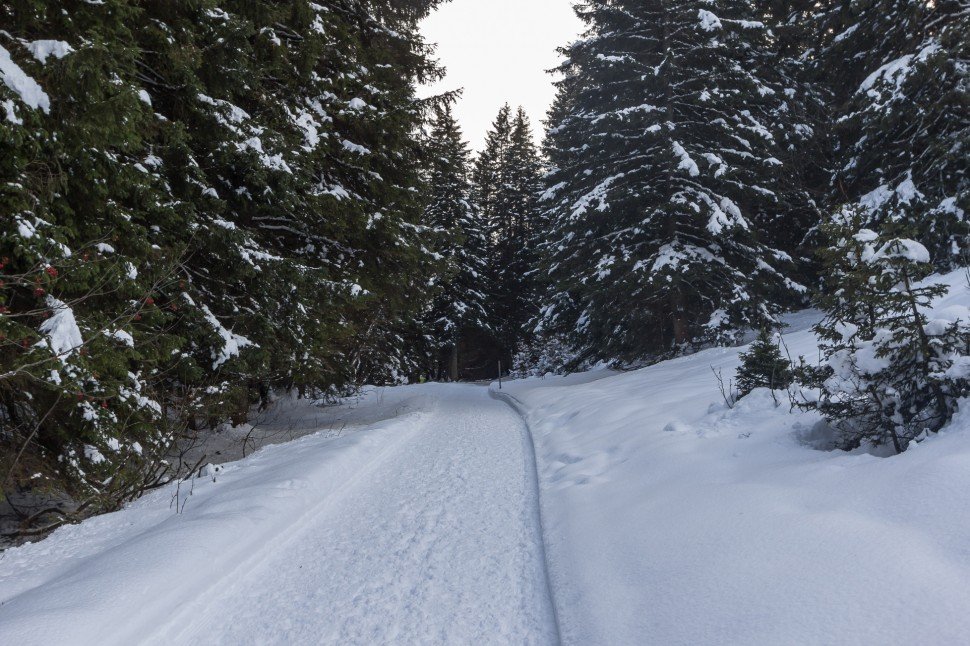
column 433, row 540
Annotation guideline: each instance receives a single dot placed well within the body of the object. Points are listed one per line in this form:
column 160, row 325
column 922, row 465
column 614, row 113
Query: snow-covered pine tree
column 763, row 365
column 457, row 316
column 168, row 166
column 890, row 375
column 506, row 184
column 486, row 174
column 317, row 117
column 897, row 71
column 799, row 121
column 84, row 335
column 664, row 169
column 511, row 231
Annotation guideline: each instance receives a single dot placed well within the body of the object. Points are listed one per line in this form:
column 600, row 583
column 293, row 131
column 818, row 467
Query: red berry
column 39, row 291
column 52, row 272
column 137, row 317
column 104, row 404
column 149, row 301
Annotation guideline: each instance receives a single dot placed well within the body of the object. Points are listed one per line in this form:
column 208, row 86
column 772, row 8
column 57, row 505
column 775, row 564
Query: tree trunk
column 679, row 319
column 453, row 363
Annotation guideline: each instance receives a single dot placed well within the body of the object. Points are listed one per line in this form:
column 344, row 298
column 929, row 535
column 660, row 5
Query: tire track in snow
column 439, row 542
column 532, row 467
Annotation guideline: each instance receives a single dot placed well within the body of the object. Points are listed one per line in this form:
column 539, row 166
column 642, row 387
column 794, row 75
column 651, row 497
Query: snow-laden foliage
column 507, row 186
column 667, row 181
column 899, row 81
column 202, row 201
column 891, row 374
column 458, row 316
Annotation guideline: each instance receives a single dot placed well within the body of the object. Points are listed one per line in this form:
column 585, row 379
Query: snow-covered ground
column 422, row 529
column 648, row 513
column 671, row 519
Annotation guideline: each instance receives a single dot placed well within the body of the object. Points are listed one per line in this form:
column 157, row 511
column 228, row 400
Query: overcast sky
column 498, row 51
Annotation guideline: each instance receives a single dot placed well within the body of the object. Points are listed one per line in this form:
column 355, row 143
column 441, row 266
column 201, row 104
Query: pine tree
column 506, row 179
column 83, row 334
column 664, row 171
column 512, row 297
column 209, row 200
column 896, row 71
column 800, row 121
column 763, row 366
column 891, row 375
column 457, row 316
column 487, row 173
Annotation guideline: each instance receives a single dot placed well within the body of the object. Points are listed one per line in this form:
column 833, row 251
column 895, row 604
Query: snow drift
column 672, row 519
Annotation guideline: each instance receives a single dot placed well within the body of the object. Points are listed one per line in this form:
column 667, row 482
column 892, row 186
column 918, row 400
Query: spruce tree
column 487, row 177
column 896, row 72
column 506, row 178
column 512, row 294
column 891, row 374
column 457, row 316
column 87, row 337
column 665, row 170
column 208, row 200
column 763, row 365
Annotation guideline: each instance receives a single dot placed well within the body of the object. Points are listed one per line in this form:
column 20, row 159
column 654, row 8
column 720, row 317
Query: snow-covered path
column 434, row 538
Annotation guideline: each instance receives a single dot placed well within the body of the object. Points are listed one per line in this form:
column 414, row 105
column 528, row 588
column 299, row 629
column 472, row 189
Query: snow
column 845, row 34
column 123, row 337
column 11, row 109
column 897, row 71
column 24, row 86
column 671, row 519
column 61, row 330
column 907, row 191
column 598, row 508
column 233, row 344
column 876, row 198
column 686, row 163
column 423, row 529
column 355, row 148
column 709, row 22
column 598, row 195
column 903, row 248
column 44, row 49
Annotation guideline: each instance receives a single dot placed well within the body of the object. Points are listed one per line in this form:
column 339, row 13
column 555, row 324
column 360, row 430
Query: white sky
column 498, row 51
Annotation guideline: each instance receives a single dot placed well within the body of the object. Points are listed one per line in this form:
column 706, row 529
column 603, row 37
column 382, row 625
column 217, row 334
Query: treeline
column 208, row 202
column 201, row 202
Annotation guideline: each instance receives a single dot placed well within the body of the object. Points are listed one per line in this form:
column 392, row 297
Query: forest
column 206, row 204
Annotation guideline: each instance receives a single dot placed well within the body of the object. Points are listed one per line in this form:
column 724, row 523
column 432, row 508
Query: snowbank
column 671, row 519
column 128, row 577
